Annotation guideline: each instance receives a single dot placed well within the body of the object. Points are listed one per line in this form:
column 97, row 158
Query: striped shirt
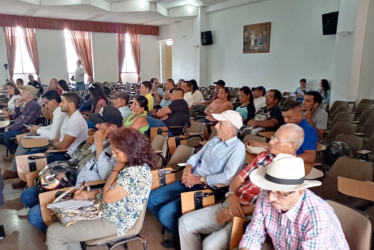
column 248, row 191
column 310, row 224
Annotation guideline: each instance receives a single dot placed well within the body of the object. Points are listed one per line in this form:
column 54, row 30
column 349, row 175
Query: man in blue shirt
column 216, row 163
column 292, row 113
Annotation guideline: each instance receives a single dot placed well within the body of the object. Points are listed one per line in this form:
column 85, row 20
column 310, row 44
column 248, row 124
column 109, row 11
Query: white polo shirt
column 51, row 131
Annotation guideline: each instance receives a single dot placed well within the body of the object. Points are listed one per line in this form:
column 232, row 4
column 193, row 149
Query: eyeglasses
column 279, row 195
column 276, row 140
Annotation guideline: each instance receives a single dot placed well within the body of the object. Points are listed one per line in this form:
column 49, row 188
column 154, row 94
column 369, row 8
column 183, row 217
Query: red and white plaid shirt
column 248, row 191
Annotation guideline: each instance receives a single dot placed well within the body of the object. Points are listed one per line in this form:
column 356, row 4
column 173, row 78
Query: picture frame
column 256, row 38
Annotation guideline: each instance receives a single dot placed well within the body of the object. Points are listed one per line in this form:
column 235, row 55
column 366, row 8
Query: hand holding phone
column 26, row 125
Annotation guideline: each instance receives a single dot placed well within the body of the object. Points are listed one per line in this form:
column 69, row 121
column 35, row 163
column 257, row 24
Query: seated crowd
column 270, row 190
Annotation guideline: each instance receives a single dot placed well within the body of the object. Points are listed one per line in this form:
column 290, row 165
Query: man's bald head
column 287, row 139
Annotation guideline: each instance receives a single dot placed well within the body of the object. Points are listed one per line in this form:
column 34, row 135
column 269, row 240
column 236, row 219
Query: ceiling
column 146, row 12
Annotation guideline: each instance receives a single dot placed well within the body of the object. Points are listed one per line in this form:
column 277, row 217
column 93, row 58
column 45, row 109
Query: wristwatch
column 203, row 179
column 228, row 194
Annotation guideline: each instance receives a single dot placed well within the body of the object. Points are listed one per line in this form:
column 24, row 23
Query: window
column 128, row 64
column 71, row 54
column 23, row 63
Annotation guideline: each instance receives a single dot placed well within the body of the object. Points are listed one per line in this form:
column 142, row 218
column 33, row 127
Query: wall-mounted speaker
column 330, row 23
column 206, row 38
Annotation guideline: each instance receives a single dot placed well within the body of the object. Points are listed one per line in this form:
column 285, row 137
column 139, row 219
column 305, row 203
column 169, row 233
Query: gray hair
column 236, row 130
column 295, row 134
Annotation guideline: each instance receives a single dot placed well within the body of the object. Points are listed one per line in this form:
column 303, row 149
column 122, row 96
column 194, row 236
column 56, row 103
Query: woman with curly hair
column 123, row 195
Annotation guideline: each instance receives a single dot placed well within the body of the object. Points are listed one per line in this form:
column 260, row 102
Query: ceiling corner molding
column 230, row 4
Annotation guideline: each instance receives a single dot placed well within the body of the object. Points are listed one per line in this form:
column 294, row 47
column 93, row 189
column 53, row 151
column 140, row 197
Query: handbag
column 70, row 216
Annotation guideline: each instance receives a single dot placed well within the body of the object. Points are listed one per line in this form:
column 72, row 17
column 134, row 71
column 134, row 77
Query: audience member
column 137, row 119
column 98, row 97
column 175, row 115
column 240, row 199
column 301, row 91
column 52, row 101
column 121, row 101
column 325, row 91
column 293, row 216
column 246, row 108
column 145, row 90
column 259, row 99
column 63, row 86
column 216, row 163
column 179, row 84
column 157, row 92
column 97, row 167
column 53, row 84
column 29, row 114
column 35, row 84
column 13, row 95
column 169, row 87
column 123, row 195
column 221, row 104
column 198, row 97
column 186, row 87
column 79, row 77
column 268, row 117
column 19, row 82
column 316, row 116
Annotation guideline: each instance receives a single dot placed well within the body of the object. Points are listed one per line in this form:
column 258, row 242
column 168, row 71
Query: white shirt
column 259, row 102
column 125, row 111
column 198, row 97
column 75, row 126
column 79, row 75
column 188, row 98
column 51, row 131
column 11, row 103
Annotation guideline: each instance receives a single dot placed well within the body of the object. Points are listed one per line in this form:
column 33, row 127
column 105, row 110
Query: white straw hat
column 231, row 116
column 285, row 173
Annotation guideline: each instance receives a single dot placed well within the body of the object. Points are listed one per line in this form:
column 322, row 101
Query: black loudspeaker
column 206, row 38
column 330, row 23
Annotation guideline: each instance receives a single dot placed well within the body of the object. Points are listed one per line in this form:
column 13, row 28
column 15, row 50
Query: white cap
column 231, row 116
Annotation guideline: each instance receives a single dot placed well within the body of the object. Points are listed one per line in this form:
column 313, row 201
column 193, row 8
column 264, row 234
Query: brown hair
column 13, row 85
column 135, row 145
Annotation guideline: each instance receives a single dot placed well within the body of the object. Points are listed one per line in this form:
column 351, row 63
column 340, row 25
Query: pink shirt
column 217, row 107
column 101, row 103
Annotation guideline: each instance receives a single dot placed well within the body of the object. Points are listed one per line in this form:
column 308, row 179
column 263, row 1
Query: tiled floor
column 20, row 234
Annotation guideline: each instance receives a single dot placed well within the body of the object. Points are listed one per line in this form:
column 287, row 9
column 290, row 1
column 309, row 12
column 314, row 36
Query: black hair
column 226, row 91
column 290, row 105
column 72, row 97
column 63, row 85
column 13, row 85
column 194, row 85
column 277, row 94
column 52, row 94
column 316, row 96
column 303, row 80
column 247, row 91
column 147, row 85
column 143, row 102
column 97, row 94
column 325, row 85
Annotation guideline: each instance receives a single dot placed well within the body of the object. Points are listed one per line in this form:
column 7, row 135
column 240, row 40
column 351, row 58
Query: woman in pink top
column 98, row 97
column 219, row 105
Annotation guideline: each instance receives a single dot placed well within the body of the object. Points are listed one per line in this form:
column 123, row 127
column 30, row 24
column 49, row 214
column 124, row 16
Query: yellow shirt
column 150, row 101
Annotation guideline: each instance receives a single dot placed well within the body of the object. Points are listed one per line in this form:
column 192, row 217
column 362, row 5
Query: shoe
column 20, row 184
column 24, row 211
column 172, row 242
column 9, row 175
column 8, row 158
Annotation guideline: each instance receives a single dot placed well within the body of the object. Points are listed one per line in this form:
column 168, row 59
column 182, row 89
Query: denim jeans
column 30, row 197
column 165, row 204
column 9, row 134
column 153, row 122
column 1, row 190
column 80, row 86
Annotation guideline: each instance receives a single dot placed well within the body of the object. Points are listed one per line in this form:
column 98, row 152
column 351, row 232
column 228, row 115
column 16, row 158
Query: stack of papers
column 255, row 150
column 70, row 204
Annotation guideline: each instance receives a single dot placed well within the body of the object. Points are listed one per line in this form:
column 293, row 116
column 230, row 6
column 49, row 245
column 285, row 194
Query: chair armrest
column 354, row 122
column 358, row 134
column 363, row 152
column 57, row 150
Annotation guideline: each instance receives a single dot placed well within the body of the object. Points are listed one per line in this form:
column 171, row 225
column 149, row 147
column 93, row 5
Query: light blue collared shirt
column 219, row 161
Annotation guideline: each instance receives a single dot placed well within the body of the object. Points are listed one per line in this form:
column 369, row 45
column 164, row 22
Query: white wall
column 298, row 49
column 149, row 57
column 105, row 57
column 3, row 58
column 52, row 55
column 184, row 48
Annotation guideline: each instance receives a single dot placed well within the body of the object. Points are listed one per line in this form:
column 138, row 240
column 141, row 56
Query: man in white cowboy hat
column 240, row 199
column 216, row 163
column 293, row 216
column 27, row 116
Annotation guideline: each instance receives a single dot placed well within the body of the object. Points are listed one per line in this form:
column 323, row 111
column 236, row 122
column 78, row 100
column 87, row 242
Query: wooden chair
column 194, row 200
column 160, row 147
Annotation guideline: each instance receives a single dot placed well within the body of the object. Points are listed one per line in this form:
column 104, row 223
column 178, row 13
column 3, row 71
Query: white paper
column 255, row 150
column 32, row 137
column 71, row 204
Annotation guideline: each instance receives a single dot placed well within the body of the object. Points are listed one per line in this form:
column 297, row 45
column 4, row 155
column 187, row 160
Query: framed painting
column 256, row 38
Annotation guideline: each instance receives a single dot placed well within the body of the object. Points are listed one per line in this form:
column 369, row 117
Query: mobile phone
column 2, row 232
column 26, row 125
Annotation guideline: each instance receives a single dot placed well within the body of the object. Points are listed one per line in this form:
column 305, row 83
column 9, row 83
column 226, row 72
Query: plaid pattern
column 248, row 191
column 310, row 224
column 30, row 113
